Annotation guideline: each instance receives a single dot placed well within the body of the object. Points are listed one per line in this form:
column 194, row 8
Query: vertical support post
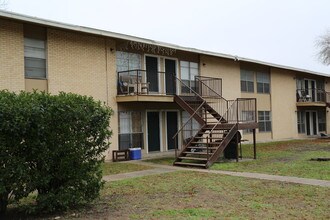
column 254, row 131
column 227, row 107
column 176, row 146
column 236, row 145
column 207, row 148
column 236, row 110
column 137, row 82
column 205, row 115
column 254, row 145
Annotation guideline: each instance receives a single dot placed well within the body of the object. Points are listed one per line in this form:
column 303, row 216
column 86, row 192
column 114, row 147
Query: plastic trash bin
column 135, row 153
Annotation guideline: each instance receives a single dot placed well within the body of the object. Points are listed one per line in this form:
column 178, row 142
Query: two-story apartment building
column 149, row 85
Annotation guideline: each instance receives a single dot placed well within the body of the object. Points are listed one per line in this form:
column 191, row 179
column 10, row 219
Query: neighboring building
column 134, row 77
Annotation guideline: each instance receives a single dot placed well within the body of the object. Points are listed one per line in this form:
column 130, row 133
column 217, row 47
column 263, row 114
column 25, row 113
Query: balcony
column 313, row 97
column 147, row 86
column 140, row 85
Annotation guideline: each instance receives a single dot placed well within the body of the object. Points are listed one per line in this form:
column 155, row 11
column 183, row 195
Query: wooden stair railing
column 207, row 145
column 208, row 139
column 184, row 105
column 219, row 120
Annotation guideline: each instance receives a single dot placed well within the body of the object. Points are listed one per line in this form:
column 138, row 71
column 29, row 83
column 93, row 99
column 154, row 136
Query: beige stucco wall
column 11, row 56
column 84, row 64
column 283, row 103
column 228, row 70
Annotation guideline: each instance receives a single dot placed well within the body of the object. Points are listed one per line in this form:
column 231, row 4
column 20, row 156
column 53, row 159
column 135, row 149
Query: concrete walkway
column 158, row 169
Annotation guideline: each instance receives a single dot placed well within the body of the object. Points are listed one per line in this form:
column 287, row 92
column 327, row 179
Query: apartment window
column 130, row 130
column 192, row 126
column 265, row 123
column 34, row 52
column 322, row 121
column 263, row 82
column 301, row 122
column 247, row 116
column 247, row 81
column 188, row 72
column 128, row 61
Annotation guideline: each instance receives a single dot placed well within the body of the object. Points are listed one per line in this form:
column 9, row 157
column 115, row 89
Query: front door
column 311, row 123
column 170, row 73
column 172, row 128
column 310, row 88
column 152, row 73
column 153, row 131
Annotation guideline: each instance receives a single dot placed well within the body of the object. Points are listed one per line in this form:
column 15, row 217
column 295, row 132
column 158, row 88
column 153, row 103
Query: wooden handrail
column 188, row 120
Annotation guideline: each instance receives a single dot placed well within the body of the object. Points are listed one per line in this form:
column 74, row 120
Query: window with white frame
column 265, row 122
column 130, row 130
column 127, row 61
column 192, row 126
column 247, row 116
column 301, row 122
column 188, row 72
column 34, row 58
column 263, row 82
column 322, row 120
column 247, row 81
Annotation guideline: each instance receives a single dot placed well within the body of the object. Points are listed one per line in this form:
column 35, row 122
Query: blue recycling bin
column 135, row 153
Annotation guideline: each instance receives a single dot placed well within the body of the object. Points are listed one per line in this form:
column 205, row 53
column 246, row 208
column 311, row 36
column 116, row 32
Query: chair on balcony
column 303, row 97
column 139, row 86
column 122, row 85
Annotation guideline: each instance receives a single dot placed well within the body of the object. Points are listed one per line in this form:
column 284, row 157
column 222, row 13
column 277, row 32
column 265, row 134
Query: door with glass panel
column 152, row 73
column 171, row 129
column 170, row 73
column 153, row 131
column 311, row 122
column 310, row 89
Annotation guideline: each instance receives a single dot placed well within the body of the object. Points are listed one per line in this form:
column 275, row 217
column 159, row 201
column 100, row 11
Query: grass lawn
column 162, row 160
column 193, row 195
column 110, row 168
column 289, row 158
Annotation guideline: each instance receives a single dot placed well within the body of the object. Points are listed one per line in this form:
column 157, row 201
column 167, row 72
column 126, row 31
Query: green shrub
column 52, row 144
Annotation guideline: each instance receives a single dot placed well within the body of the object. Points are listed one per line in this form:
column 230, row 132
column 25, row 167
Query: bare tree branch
column 323, row 43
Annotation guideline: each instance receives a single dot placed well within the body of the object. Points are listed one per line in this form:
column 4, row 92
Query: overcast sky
column 277, row 31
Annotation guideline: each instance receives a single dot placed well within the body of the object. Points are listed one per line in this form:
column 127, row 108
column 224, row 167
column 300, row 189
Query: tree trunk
column 3, row 204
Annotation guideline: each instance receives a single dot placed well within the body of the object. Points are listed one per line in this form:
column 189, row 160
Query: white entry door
column 311, row 123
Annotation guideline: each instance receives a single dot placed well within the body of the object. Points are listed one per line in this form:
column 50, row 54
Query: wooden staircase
column 217, row 129
column 203, row 149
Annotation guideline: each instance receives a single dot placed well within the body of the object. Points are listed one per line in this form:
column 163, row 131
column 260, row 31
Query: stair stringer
column 224, row 143
column 185, row 106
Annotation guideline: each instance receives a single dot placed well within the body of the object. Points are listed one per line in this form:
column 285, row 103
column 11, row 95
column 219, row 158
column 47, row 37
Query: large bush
column 52, row 145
